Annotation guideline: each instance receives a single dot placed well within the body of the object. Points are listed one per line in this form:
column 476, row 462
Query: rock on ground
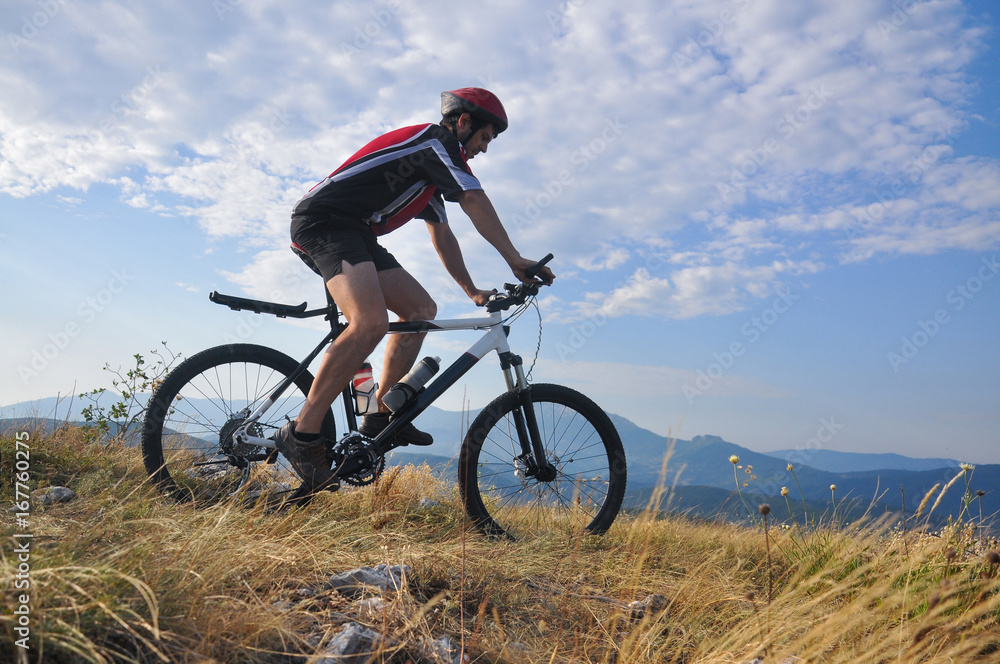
column 55, row 494
column 380, row 579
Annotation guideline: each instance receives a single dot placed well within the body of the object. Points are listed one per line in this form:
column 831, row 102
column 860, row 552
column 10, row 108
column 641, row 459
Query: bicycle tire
column 187, row 443
column 580, row 441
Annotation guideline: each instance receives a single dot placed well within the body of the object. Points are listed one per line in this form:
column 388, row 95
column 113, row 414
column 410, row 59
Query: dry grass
column 120, row 574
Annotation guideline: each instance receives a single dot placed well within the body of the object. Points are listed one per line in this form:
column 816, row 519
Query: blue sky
column 773, row 222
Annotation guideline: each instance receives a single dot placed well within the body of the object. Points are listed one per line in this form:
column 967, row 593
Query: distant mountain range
column 851, row 462
column 701, row 479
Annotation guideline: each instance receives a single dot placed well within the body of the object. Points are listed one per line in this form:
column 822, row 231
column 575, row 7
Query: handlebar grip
column 533, row 270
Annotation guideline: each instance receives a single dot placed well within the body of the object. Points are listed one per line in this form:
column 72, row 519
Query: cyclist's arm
column 478, row 206
column 446, row 244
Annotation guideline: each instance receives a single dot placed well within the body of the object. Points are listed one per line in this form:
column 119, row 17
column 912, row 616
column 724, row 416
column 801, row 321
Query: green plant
column 967, row 470
column 132, row 387
column 805, row 510
column 735, row 460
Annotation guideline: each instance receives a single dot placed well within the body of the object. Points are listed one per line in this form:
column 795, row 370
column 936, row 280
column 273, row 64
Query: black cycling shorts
column 332, row 243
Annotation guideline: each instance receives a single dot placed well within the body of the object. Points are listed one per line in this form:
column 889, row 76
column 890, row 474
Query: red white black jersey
column 399, row 176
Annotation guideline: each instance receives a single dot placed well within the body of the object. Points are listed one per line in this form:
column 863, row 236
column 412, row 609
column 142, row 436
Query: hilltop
column 120, row 574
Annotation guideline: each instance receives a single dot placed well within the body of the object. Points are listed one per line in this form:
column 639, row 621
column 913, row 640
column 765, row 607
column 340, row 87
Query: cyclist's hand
column 520, row 270
column 481, row 297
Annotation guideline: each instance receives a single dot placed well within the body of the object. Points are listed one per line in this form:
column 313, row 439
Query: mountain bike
column 538, row 457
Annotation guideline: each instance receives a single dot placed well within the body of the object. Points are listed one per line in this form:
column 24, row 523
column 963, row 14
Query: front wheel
column 507, row 495
column 187, row 441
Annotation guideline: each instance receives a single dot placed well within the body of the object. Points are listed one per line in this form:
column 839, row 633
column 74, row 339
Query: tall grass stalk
column 805, row 510
column 122, row 575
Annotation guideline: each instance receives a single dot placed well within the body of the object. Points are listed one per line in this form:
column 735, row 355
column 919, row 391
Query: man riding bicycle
column 404, row 174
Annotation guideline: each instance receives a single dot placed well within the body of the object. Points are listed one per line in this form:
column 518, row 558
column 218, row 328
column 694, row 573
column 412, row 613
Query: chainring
column 354, row 445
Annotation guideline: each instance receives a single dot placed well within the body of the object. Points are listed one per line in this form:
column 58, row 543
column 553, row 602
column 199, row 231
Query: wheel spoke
column 188, row 444
column 502, row 493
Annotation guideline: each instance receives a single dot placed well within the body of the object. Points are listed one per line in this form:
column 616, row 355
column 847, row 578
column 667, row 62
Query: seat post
column 333, row 313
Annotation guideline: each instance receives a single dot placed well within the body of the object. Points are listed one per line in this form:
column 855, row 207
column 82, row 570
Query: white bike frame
column 494, row 339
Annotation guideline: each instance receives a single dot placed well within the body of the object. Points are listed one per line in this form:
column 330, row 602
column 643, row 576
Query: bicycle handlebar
column 516, row 294
column 533, row 270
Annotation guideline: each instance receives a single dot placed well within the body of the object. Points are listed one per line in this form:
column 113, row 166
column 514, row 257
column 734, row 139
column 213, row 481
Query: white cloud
column 748, row 136
column 692, row 291
column 279, row 276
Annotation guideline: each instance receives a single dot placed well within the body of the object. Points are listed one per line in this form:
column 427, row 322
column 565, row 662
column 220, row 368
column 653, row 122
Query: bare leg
column 358, row 293
column 405, row 297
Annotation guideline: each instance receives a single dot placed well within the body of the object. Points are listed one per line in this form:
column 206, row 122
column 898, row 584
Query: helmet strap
column 475, row 124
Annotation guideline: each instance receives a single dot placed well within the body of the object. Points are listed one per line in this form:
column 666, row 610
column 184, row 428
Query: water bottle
column 364, row 391
column 413, row 382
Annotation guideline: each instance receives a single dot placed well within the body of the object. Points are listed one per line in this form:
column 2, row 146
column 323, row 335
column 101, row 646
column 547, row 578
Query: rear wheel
column 187, row 441
column 581, row 489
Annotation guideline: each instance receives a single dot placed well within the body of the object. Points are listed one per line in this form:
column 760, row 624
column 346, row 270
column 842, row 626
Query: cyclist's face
column 479, row 141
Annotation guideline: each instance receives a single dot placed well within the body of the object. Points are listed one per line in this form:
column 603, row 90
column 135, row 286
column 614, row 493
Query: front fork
column 532, row 450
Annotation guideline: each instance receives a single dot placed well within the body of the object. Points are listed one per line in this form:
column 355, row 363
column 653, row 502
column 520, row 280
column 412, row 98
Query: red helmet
column 477, row 102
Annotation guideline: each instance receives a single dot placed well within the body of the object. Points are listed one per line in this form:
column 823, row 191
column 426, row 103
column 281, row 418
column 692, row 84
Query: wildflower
column 980, row 493
column 734, row 459
column 791, row 467
column 784, row 491
column 967, row 467
column 764, row 509
column 993, row 558
column 833, row 487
